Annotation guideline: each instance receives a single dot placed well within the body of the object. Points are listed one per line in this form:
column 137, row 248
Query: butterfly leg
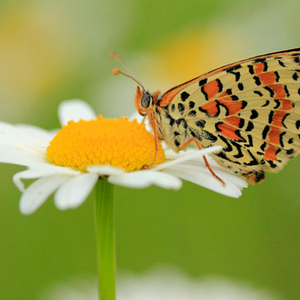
column 204, row 157
column 153, row 124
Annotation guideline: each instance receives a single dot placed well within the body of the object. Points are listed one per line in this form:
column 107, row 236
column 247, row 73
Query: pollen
column 116, row 142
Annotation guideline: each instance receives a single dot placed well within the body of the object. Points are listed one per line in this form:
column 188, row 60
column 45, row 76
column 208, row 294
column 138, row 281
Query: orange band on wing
column 286, row 105
column 232, row 106
column 258, row 68
column 279, row 91
column 278, row 118
column 211, row 89
column 234, row 121
column 229, row 132
column 270, row 153
column 211, row 108
column 274, row 136
column 267, row 78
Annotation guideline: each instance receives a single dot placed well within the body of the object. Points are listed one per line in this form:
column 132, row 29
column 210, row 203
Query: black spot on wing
column 260, row 60
column 222, row 155
column 203, row 92
column 286, row 90
column 265, row 131
column 267, row 88
column 283, row 119
column 277, row 103
column 229, row 91
column 250, row 141
column 181, row 121
column 251, row 69
column 256, row 80
column 254, row 114
column 191, row 104
column 270, row 118
column 239, row 150
column 295, row 76
column 209, row 136
column 200, row 123
column 263, row 146
column 281, row 138
column 181, row 108
column 260, row 94
column 253, row 162
column 281, row 63
column 195, row 134
column 228, row 146
column 184, row 96
column 250, row 126
column 234, row 68
column 271, row 163
column 202, row 82
column 176, row 142
column 192, row 113
column 220, row 85
column 266, row 103
column 224, row 106
column 241, row 123
column 240, row 86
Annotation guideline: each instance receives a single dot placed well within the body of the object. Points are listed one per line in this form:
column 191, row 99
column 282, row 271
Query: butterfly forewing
column 251, row 108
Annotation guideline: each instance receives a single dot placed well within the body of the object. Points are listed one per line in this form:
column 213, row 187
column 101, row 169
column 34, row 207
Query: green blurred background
column 56, row 50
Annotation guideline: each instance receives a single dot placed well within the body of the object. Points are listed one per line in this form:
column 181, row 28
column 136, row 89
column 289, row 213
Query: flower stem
column 105, row 234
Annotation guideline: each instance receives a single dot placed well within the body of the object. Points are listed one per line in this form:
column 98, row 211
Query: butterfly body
column 251, row 108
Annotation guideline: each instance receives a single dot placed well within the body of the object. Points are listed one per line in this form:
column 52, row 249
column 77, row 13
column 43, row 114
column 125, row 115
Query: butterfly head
column 143, row 101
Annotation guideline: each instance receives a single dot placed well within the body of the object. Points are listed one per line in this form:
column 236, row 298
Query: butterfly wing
column 251, row 108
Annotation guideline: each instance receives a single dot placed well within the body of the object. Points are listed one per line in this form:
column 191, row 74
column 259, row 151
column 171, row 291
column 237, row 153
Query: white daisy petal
column 20, row 155
column 42, row 135
column 201, row 176
column 18, row 134
column 75, row 110
column 40, row 171
column 74, row 192
column 19, row 147
column 238, row 181
column 188, row 156
column 38, row 192
column 143, row 179
column 105, row 170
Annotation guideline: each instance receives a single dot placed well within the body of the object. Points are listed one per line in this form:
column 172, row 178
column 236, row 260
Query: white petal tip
column 75, row 110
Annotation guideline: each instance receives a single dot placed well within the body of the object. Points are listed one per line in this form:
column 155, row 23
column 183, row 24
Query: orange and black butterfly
column 251, row 108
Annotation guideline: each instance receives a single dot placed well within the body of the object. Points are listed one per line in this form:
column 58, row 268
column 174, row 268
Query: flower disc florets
column 120, row 143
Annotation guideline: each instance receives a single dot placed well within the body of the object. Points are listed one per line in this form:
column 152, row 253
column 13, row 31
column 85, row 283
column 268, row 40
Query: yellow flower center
column 120, row 143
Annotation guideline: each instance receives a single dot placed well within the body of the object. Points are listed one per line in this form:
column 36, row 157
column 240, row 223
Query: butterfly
column 251, row 108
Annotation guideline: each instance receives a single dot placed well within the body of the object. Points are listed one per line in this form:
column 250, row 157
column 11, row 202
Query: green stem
column 105, row 234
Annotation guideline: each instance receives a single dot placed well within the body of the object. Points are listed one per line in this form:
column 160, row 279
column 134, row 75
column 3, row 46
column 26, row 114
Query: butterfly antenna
column 117, row 71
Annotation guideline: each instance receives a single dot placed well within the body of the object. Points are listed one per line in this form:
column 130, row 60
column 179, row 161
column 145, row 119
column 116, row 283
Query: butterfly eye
column 146, row 100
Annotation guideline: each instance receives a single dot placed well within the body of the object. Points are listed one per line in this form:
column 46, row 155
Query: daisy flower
column 88, row 148
column 69, row 162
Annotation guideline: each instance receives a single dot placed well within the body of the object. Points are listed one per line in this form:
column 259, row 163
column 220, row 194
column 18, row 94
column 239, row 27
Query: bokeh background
column 56, row 50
